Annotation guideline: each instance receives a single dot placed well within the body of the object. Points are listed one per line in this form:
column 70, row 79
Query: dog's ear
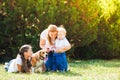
column 41, row 52
column 37, row 56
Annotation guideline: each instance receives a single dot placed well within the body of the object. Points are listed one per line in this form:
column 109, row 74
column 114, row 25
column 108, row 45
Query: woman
column 47, row 42
column 22, row 61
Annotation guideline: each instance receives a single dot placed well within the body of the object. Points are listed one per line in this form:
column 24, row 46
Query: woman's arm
column 43, row 37
column 42, row 43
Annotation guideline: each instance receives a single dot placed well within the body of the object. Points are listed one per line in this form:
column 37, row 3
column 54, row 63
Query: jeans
column 49, row 63
column 60, row 62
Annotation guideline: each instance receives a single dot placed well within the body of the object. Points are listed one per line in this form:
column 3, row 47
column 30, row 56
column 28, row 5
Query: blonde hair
column 51, row 28
column 61, row 28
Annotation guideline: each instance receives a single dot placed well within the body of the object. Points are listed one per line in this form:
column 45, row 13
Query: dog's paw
column 39, row 70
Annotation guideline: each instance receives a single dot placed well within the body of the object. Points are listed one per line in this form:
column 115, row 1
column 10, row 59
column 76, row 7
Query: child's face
column 61, row 35
column 28, row 54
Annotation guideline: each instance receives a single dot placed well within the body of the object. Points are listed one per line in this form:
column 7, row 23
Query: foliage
column 109, row 30
column 92, row 26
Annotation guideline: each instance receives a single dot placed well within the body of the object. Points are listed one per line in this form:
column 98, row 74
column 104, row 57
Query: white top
column 13, row 65
column 43, row 35
column 60, row 43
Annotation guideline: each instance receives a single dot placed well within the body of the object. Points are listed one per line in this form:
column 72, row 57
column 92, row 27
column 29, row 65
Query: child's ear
column 65, row 34
column 37, row 56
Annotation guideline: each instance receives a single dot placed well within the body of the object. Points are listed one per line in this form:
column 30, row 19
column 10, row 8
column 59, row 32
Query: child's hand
column 58, row 51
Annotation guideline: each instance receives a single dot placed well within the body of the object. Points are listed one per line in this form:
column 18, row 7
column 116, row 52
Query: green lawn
column 78, row 70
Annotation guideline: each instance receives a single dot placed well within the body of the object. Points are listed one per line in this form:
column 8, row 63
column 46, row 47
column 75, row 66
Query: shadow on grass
column 84, row 64
column 68, row 73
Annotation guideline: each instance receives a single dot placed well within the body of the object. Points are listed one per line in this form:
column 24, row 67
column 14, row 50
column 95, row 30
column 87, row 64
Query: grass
column 78, row 70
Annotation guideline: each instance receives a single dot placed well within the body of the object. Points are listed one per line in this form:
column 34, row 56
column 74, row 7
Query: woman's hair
column 51, row 28
column 26, row 65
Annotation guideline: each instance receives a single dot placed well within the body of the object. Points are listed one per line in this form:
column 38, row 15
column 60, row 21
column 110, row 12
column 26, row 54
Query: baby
column 59, row 56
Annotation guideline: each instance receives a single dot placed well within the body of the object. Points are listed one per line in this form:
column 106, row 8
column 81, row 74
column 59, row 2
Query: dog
column 37, row 61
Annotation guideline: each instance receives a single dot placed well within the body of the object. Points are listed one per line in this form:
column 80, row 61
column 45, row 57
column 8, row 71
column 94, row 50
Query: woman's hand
column 46, row 50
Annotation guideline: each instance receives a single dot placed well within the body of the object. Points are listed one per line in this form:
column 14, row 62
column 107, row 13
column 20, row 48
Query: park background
column 93, row 26
column 93, row 29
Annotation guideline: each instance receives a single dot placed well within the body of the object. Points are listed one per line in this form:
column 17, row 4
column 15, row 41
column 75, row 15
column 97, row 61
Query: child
column 22, row 61
column 59, row 57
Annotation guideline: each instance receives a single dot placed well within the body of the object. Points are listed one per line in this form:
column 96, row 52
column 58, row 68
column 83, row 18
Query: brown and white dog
column 37, row 61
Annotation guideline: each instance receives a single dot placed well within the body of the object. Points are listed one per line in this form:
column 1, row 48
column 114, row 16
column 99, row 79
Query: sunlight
column 108, row 8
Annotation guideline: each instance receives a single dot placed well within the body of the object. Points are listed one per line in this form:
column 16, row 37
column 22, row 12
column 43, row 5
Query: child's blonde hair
column 61, row 28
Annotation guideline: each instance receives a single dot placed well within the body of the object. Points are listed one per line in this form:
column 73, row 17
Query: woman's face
column 53, row 35
column 28, row 54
